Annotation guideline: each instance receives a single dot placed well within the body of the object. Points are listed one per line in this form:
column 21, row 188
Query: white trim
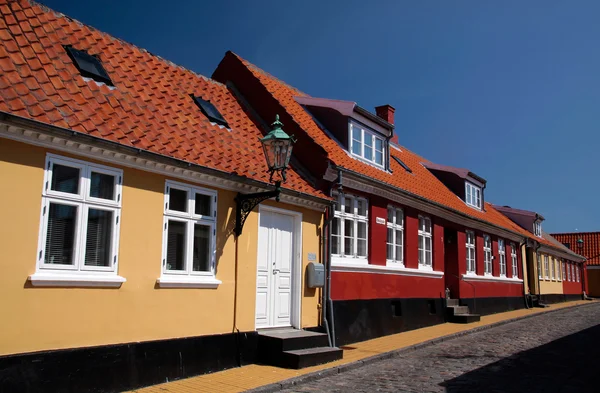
column 378, row 269
column 395, row 227
column 38, row 138
column 471, row 246
column 341, row 216
column 63, row 279
column 175, row 281
column 367, row 132
column 422, row 249
column 472, row 277
column 296, row 312
column 487, row 252
column 475, row 194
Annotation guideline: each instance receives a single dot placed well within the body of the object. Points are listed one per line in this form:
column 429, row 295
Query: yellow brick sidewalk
column 253, row 376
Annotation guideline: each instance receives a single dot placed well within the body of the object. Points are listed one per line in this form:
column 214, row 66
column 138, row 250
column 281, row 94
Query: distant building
column 586, row 244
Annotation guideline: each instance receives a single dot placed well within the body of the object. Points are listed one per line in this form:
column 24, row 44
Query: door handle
column 275, row 271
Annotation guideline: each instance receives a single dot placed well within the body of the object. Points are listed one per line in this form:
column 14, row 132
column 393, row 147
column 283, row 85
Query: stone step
column 459, row 310
column 272, row 344
column 465, row 318
column 301, row 358
column 452, row 302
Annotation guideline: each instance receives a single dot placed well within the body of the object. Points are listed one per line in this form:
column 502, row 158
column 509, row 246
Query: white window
column 502, row 255
column 470, row 244
column 189, row 233
column 395, row 235
column 487, row 254
column 425, row 246
column 569, row 272
column 472, row 195
column 349, row 228
column 513, row 257
column 546, row 267
column 564, row 270
column 552, row 269
column 577, row 272
column 366, row 145
column 560, row 270
column 81, row 209
column 539, row 266
column 537, row 228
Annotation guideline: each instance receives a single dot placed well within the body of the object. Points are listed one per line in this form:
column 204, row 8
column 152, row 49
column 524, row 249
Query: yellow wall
column 549, row 285
column 35, row 319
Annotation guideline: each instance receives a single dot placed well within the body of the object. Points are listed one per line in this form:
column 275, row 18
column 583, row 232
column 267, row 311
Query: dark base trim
column 121, row 367
column 493, row 305
column 550, row 298
column 360, row 320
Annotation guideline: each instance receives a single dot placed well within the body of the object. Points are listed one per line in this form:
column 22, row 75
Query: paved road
column 557, row 352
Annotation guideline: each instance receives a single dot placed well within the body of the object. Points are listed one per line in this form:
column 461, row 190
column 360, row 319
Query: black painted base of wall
column 493, row 305
column 123, row 367
column 550, row 298
column 360, row 320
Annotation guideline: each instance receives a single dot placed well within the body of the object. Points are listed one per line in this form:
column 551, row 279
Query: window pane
column 98, row 239
column 60, row 235
column 399, row 217
column 356, row 140
column 379, row 157
column 203, row 205
column 390, row 243
column 178, row 200
column 378, row 144
column 201, row 260
column 428, row 226
column 348, row 205
column 368, row 154
column 65, row 179
column 102, row 186
column 348, row 237
column 362, row 248
column 390, row 217
column 362, row 207
column 428, row 244
column 335, row 236
column 362, row 230
column 176, row 245
column 356, row 133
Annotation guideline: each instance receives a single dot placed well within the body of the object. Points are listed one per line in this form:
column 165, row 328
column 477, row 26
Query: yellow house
column 120, row 265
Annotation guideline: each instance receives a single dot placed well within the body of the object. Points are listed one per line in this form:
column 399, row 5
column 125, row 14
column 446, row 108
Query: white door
column 275, row 265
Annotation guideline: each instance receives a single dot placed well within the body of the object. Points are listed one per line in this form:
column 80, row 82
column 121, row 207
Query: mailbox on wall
column 315, row 275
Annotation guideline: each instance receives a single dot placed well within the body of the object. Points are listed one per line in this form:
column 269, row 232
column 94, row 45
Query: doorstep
column 270, row 378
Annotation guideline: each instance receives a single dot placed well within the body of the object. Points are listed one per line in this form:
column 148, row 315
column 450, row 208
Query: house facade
column 404, row 230
column 555, row 273
column 587, row 244
column 121, row 260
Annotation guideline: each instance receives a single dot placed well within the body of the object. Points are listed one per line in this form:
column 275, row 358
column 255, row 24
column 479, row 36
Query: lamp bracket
column 245, row 203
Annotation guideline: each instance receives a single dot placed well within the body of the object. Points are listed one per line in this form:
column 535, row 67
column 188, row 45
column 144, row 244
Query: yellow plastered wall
column 37, row 319
column 525, row 263
column 549, row 285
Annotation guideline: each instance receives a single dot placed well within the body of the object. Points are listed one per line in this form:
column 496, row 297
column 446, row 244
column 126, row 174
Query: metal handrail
column 474, row 292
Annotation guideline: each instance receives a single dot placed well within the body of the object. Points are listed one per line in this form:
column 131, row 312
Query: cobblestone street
column 555, row 352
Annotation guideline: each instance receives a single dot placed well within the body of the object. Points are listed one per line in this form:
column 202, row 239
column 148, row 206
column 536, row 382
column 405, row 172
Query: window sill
column 208, row 282
column 474, row 277
column 63, row 279
column 392, row 268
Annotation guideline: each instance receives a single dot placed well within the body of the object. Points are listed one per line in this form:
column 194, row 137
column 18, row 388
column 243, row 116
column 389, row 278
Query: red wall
column 377, row 232
column 349, row 285
column 411, row 238
column 573, row 287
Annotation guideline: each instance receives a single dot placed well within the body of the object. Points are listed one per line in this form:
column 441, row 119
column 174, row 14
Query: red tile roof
column 149, row 108
column 591, row 244
column 421, row 182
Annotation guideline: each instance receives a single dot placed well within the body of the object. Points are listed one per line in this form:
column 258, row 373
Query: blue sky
column 510, row 90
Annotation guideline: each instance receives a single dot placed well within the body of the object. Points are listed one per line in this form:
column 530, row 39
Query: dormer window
column 472, row 195
column 210, row 111
column 88, row 65
column 366, row 144
column 537, row 228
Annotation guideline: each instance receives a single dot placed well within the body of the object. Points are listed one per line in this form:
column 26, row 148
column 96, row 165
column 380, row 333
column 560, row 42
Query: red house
column 405, row 233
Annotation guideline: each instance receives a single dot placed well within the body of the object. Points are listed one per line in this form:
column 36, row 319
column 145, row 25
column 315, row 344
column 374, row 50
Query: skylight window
column 210, row 111
column 366, row 145
column 402, row 164
column 473, row 195
column 537, row 228
column 88, row 65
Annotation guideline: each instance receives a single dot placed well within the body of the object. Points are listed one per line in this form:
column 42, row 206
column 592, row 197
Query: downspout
column 537, row 276
column 326, row 242
column 328, row 303
column 525, row 295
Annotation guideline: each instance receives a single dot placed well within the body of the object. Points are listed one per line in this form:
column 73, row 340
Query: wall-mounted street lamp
column 277, row 147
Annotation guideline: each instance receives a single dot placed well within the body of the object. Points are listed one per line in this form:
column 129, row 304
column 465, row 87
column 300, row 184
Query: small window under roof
column 210, row 111
column 402, row 164
column 88, row 65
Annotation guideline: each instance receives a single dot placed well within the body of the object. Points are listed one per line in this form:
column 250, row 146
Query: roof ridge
column 577, row 233
column 47, row 9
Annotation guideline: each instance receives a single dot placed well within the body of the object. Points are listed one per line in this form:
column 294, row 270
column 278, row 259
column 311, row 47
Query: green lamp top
column 276, row 131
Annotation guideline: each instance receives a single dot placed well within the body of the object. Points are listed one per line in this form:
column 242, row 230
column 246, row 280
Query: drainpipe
column 521, row 244
column 539, row 291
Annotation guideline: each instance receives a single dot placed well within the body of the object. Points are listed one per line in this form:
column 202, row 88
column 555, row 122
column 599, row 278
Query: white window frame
column 577, row 272
column 470, row 245
column 559, row 271
column 395, row 227
column 564, row 270
column 342, row 216
column 502, row 255
column 487, row 255
column 78, row 274
column 537, row 228
column 473, row 195
column 552, row 268
column 423, row 235
column 372, row 135
column 514, row 260
column 539, row 264
column 188, row 277
column 546, row 268
column 569, row 272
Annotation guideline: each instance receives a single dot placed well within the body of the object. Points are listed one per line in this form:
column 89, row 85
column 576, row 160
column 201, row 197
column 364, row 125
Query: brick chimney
column 386, row 112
